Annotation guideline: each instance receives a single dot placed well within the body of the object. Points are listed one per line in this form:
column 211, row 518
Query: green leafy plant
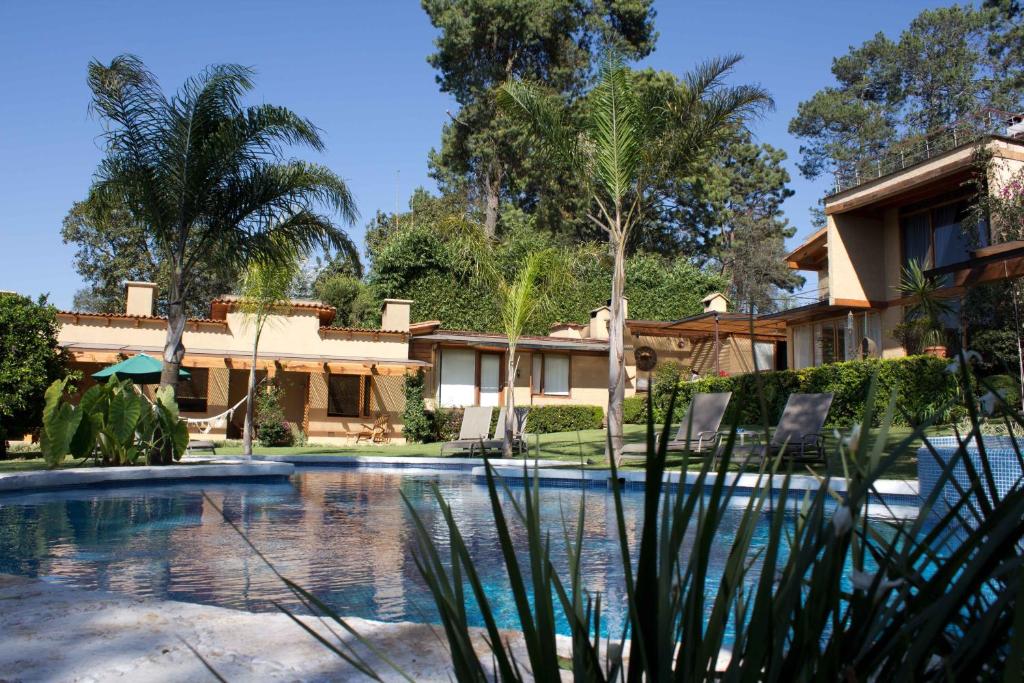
column 417, row 423
column 634, row 410
column 113, row 423
column 272, row 428
column 926, row 306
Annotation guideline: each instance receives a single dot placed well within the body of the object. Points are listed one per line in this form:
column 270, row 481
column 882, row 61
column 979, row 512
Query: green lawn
column 585, row 446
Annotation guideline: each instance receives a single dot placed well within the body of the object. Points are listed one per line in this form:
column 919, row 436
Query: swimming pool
column 342, row 533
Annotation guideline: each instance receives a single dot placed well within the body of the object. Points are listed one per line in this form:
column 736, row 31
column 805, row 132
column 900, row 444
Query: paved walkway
column 56, row 633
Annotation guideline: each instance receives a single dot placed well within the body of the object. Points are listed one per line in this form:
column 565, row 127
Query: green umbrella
column 141, row 369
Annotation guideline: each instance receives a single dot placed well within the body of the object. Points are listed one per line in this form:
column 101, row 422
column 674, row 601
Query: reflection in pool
column 342, row 533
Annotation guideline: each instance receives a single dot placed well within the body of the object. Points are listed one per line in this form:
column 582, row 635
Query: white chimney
column 395, row 315
column 139, row 297
column 715, row 303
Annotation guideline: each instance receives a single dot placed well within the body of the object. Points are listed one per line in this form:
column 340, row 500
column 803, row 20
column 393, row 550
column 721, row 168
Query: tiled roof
column 126, row 316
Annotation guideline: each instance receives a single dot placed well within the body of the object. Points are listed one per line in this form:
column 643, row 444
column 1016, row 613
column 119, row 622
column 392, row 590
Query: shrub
column 923, row 387
column 446, row 423
column 418, row 424
column 112, row 423
column 568, row 418
column 271, row 427
column 634, row 410
column 30, row 361
column 1008, row 387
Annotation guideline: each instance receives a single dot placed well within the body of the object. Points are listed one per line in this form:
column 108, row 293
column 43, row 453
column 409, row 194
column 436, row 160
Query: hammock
column 208, row 424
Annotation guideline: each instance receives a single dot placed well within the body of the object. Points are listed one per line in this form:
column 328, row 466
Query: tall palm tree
column 627, row 143
column 208, row 178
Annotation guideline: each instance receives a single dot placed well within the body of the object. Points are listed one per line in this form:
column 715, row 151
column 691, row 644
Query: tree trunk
column 510, row 403
column 616, row 355
column 249, row 400
column 492, row 193
column 174, row 351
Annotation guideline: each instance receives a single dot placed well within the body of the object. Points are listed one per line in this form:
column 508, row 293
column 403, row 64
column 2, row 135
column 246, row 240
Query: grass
column 588, row 445
column 571, row 447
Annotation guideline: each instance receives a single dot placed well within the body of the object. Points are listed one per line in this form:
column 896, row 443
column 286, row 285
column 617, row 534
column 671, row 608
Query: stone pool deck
column 57, row 633
column 202, row 470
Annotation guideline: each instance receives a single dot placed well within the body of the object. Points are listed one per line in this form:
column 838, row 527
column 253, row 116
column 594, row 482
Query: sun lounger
column 496, row 442
column 698, row 430
column 799, row 435
column 476, row 427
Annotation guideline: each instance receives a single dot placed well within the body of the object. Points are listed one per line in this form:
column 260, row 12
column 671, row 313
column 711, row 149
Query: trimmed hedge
column 568, row 418
column 922, row 387
column 446, row 422
column 634, row 410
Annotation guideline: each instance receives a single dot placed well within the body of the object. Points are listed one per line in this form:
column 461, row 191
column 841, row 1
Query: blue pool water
column 342, row 533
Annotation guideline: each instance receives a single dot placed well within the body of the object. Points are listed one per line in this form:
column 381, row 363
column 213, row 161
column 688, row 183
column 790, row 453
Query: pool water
column 342, row 533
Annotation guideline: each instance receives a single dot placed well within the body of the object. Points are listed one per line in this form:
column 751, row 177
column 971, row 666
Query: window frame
column 543, row 374
column 929, row 209
column 363, row 400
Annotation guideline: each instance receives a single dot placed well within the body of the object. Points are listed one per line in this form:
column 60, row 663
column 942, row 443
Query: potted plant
column 925, row 309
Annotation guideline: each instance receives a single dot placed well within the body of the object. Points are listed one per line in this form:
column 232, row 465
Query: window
column 936, row 237
column 343, row 395
column 550, row 375
column 191, row 393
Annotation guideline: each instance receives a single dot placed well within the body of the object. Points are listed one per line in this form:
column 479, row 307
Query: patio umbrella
column 141, row 369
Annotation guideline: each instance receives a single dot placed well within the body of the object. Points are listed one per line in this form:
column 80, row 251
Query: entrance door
column 490, row 379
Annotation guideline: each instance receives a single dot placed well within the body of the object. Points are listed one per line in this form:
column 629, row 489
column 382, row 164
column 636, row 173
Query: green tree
column 354, row 301
column 484, row 43
column 264, row 292
column 620, row 152
column 207, row 177
column 112, row 248
column 30, row 360
column 949, row 64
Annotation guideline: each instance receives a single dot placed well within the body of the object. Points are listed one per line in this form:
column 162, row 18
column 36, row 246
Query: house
column 875, row 226
column 570, row 363
column 335, row 379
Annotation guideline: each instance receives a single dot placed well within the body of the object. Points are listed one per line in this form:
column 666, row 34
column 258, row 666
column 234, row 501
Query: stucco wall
column 856, row 258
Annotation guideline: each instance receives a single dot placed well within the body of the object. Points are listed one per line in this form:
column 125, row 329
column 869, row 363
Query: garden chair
column 798, row 436
column 496, row 442
column 698, row 431
column 476, row 427
column 378, row 432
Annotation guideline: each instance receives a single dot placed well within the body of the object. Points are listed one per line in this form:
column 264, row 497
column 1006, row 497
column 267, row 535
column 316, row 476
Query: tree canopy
column 483, row 43
column 949, row 64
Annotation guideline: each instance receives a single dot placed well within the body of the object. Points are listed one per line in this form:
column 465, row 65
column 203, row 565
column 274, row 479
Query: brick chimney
column 395, row 315
column 139, row 298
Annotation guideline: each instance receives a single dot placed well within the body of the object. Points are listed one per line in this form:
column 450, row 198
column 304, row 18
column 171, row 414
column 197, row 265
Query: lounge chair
column 378, row 432
column 476, row 427
column 496, row 442
column 799, row 435
column 698, row 432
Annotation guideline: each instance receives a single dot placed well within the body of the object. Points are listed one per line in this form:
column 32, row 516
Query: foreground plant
column 831, row 595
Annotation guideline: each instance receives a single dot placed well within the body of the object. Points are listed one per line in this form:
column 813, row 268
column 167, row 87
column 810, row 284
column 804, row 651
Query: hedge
column 923, row 386
column 446, row 422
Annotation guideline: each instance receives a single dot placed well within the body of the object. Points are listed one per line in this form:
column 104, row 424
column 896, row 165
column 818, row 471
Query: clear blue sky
column 357, row 69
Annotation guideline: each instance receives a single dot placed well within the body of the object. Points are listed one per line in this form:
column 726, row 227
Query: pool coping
column 18, row 482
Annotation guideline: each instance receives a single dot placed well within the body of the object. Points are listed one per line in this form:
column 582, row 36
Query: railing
column 917, row 148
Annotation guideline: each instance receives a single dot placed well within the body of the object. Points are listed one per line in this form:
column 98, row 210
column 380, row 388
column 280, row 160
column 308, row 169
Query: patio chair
column 496, row 442
column 377, row 432
column 799, row 436
column 698, row 431
column 476, row 427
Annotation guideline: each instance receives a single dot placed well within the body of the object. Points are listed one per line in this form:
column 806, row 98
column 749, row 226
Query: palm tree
column 626, row 144
column 265, row 289
column 208, row 178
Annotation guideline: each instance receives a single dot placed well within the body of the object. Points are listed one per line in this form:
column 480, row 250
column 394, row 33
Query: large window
column 550, row 374
column 936, row 236
column 838, row 339
column 348, row 395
